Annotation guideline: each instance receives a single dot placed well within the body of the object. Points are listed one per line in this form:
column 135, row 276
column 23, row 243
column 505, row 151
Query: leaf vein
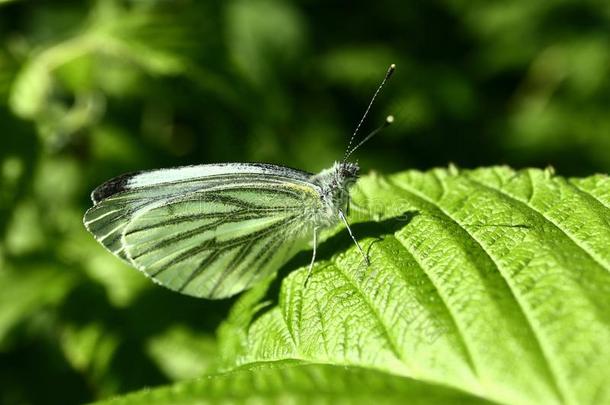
column 460, row 333
column 521, row 305
column 547, row 219
column 385, row 329
column 588, row 193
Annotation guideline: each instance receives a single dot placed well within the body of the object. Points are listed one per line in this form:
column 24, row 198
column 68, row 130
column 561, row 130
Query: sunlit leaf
column 492, row 281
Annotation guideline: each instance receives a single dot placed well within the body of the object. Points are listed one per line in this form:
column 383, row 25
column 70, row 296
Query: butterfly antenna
column 388, row 121
column 368, row 108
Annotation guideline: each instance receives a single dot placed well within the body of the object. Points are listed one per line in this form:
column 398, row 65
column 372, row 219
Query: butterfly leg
column 342, row 216
column 313, row 257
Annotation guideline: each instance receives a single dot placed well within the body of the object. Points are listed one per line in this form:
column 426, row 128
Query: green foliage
column 491, row 282
column 96, row 88
column 289, row 382
column 477, row 83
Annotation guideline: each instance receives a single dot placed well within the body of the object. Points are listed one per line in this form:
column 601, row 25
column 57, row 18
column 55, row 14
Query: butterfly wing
column 207, row 231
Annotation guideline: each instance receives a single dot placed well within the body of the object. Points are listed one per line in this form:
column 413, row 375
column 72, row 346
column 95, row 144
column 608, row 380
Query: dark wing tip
column 111, row 187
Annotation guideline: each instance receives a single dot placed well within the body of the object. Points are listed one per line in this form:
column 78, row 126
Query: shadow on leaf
column 339, row 243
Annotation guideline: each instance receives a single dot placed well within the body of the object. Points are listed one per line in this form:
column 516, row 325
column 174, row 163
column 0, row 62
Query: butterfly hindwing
column 212, row 231
column 215, row 243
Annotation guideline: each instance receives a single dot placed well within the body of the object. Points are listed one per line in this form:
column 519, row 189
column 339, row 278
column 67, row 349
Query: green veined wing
column 210, row 230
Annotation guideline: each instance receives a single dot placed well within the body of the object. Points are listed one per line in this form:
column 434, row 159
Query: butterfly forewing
column 212, row 232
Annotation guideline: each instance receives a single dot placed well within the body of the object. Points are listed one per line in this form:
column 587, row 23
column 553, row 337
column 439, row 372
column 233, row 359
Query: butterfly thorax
column 334, row 184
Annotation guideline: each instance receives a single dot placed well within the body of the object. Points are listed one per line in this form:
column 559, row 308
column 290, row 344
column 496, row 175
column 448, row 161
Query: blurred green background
column 92, row 89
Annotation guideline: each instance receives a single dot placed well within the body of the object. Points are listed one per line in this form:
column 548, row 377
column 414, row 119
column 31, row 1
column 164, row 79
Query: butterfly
column 214, row 230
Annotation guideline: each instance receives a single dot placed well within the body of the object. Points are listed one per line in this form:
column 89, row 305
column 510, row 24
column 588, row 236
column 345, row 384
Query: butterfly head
column 334, row 186
column 346, row 174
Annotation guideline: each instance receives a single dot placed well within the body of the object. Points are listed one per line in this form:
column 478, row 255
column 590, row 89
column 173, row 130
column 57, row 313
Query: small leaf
column 111, row 35
column 182, row 354
column 262, row 34
column 28, row 292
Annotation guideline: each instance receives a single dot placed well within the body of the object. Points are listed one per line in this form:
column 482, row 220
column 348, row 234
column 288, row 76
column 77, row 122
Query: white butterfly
column 215, row 230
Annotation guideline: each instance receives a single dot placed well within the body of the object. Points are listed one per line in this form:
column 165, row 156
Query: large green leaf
column 492, row 282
